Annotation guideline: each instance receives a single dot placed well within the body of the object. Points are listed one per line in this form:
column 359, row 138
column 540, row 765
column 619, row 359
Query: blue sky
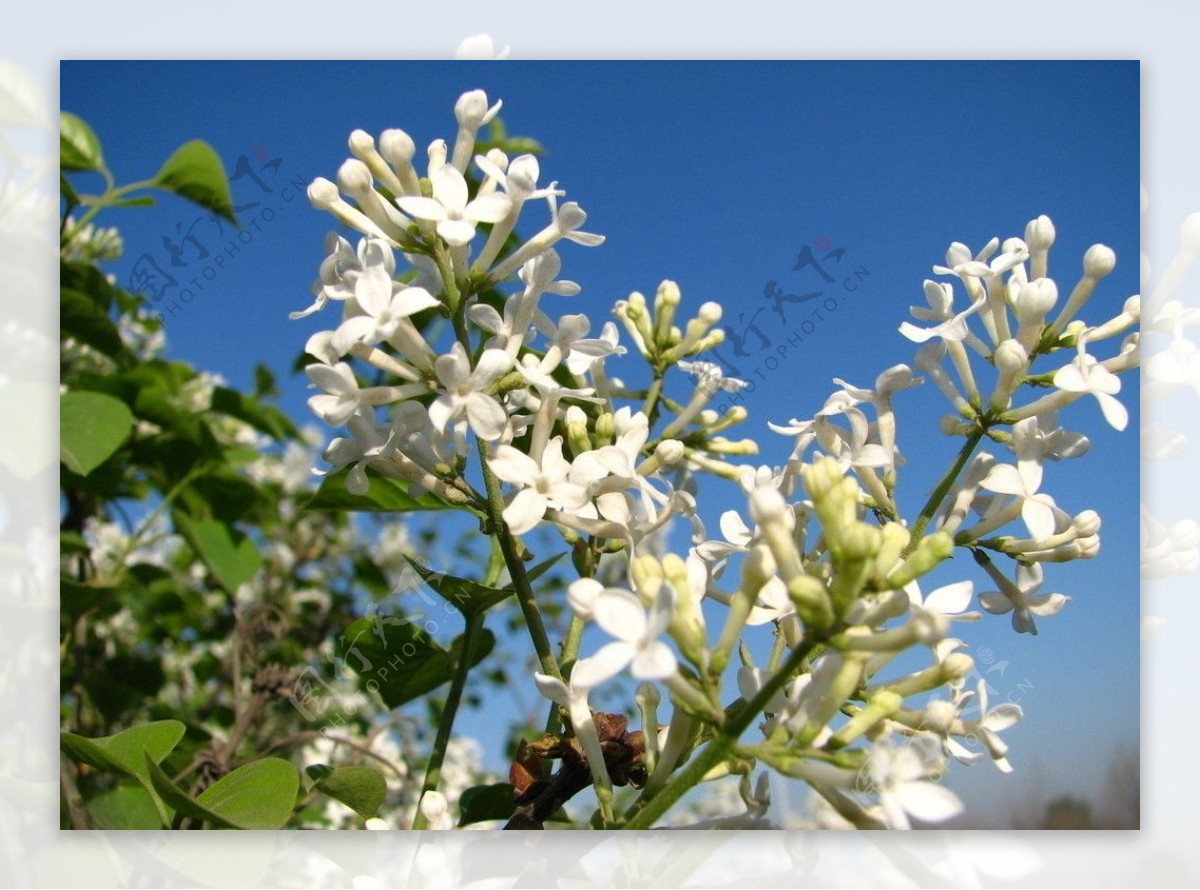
column 717, row 175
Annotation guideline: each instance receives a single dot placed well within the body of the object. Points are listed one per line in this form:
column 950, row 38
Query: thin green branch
column 645, row 812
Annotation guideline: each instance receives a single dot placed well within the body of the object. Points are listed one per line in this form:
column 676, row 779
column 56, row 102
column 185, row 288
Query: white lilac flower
column 1022, row 481
column 850, row 447
column 1086, row 375
column 1022, row 598
column 456, row 218
column 385, row 305
column 586, row 674
column 948, row 325
column 343, row 397
column 370, row 441
column 991, row 723
column 950, row 600
column 472, row 112
column 622, row 615
column 338, row 269
column 961, row 264
column 464, row 396
column 737, row 539
column 542, row 486
column 902, row 777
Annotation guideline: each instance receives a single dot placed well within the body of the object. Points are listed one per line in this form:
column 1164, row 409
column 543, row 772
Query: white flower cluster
column 827, row 557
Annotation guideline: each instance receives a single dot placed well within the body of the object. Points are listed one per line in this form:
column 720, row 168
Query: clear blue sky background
column 716, row 175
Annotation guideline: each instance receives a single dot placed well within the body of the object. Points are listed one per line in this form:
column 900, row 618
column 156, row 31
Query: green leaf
column 124, row 808
column 262, row 417
column 76, row 598
column 195, row 172
column 361, row 788
column 131, row 753
column 78, row 147
column 470, row 597
column 67, row 193
column 385, row 495
column 81, row 318
column 91, row 427
column 231, row 556
column 257, row 796
column 484, row 803
column 406, row 663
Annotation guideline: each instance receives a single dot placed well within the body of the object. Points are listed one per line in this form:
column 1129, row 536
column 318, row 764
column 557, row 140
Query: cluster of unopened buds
column 466, row 361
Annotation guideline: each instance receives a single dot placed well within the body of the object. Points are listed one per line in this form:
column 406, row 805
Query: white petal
column 582, row 596
column 441, row 412
column 621, row 614
column 1038, row 517
column 554, row 689
column 513, row 465
column 1049, row 604
column 486, row 416
column 492, row 364
column 525, row 511
column 995, row 603
column 654, row 662
column 1114, row 412
column 608, row 662
column 449, row 187
column 951, row 599
column 1005, row 479
column 456, row 232
column 928, row 802
column 423, row 208
column 489, row 208
column 734, row 528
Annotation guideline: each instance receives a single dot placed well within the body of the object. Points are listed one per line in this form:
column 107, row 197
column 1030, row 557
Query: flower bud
column 1098, row 261
column 323, row 194
column 1035, row 300
column 1087, row 523
column 397, row 147
column 758, row 568
column 929, row 553
column 1011, row 357
column 605, row 429
column 767, row 505
column 471, row 109
column 710, row 313
column 354, row 178
column 360, row 143
column 1039, row 233
column 647, row 575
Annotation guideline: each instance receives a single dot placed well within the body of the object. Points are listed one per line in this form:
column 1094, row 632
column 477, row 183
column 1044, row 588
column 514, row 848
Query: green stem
column 555, row 720
column 943, row 488
column 646, row 812
column 516, row 568
column 110, row 196
column 433, row 773
column 650, row 408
